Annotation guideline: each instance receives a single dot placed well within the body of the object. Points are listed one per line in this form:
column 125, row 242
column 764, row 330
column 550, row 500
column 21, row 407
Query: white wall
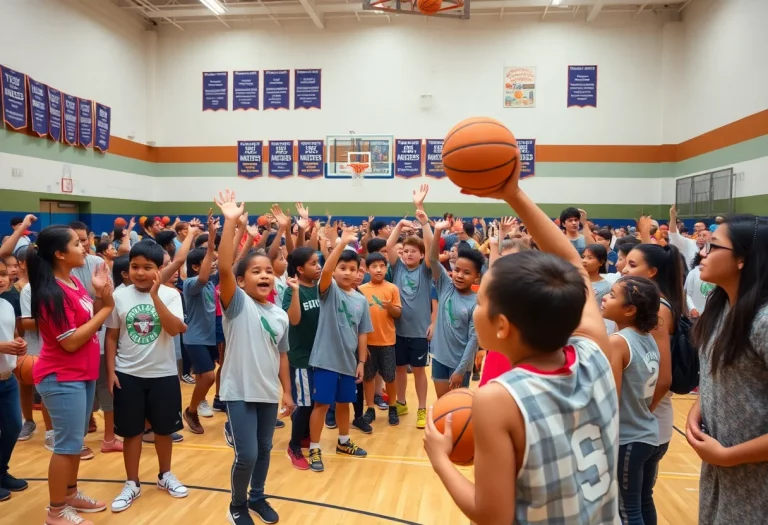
column 85, row 48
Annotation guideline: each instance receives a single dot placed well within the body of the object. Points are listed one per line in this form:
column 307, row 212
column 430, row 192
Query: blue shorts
column 70, row 405
column 333, row 387
column 440, row 372
column 302, row 386
column 219, row 330
column 203, row 357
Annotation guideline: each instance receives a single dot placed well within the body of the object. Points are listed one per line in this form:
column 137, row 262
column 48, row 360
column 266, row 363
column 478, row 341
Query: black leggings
column 359, row 401
column 300, row 426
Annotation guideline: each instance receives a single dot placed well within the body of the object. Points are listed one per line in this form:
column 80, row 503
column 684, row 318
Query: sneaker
column 385, row 397
column 279, row 423
column 27, row 429
column 66, row 516
column 92, row 425
column 264, row 510
column 305, row 443
column 82, row 503
column 228, row 437
column 111, row 446
column 370, row 415
column 188, row 379
column 394, row 419
column 125, row 499
column 297, row 459
column 12, row 484
column 379, row 402
column 204, row 409
column 362, row 425
column 149, row 437
column 193, row 422
column 176, row 437
column 330, row 419
column 219, row 405
column 49, row 437
column 316, row 460
column 421, row 418
column 5, row 495
column 239, row 515
column 402, row 408
column 410, row 369
column 85, row 454
column 476, row 376
column 350, row 449
column 168, row 482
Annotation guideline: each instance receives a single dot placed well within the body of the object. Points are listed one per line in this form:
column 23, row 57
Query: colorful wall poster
column 407, row 158
column 310, row 159
column 38, row 107
column 433, row 164
column 520, row 87
column 582, row 86
column 281, row 158
column 14, row 99
column 249, row 158
column 85, row 122
column 54, row 114
column 245, row 90
column 215, row 91
column 276, row 85
column 527, row 149
column 103, row 127
column 307, row 89
column 70, row 119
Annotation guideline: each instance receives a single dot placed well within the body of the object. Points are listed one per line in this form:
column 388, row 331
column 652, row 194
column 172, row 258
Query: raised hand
column 28, row 220
column 405, row 223
column 155, row 285
column 252, row 230
column 442, row 225
column 100, row 278
column 302, row 211
column 132, row 224
column 419, row 195
column 293, row 282
column 282, row 219
column 229, row 208
column 508, row 190
column 421, row 216
column 195, row 227
column 106, row 295
column 348, row 235
column 507, row 225
column 582, row 216
column 212, row 227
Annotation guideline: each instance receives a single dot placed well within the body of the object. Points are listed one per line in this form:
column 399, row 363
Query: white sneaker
column 174, row 487
column 49, row 439
column 204, row 409
column 125, row 499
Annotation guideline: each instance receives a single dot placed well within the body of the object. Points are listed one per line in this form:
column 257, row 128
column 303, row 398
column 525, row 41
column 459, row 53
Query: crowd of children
column 299, row 318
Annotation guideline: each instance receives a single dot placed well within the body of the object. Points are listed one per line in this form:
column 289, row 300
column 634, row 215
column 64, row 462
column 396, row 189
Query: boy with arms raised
column 546, row 432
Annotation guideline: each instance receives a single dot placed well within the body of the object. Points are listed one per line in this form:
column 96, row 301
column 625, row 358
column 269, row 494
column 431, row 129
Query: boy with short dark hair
column 570, row 219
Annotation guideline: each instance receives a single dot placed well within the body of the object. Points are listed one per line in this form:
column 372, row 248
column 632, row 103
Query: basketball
column 429, row 7
column 23, row 371
column 479, row 154
column 262, row 221
column 459, row 403
column 166, row 220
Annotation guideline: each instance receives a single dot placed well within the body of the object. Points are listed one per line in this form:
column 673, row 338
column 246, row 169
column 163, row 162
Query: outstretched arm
column 232, row 212
column 434, row 247
column 326, row 276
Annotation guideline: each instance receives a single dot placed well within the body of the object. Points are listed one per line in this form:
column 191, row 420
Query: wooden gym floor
column 394, row 484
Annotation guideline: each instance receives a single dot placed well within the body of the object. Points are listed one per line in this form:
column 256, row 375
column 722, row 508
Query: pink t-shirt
column 495, row 365
column 83, row 363
column 218, row 301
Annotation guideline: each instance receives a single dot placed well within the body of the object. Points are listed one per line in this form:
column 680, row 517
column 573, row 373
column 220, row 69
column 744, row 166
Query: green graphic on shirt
column 409, row 285
column 377, row 302
column 452, row 319
column 143, row 324
column 706, row 288
column 343, row 310
column 271, row 331
column 208, row 297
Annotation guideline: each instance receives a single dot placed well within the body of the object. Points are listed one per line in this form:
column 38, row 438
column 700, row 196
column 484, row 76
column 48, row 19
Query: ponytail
column 669, row 274
column 297, row 259
column 47, row 296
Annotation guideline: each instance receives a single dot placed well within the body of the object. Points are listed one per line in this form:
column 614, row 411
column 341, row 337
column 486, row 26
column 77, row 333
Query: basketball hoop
column 357, row 169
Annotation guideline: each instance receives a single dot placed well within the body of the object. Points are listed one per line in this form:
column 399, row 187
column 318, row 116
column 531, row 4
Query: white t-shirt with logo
column 8, row 333
column 32, row 337
column 144, row 349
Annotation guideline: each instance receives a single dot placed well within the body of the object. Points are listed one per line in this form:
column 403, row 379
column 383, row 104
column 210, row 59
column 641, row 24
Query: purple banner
column 245, row 90
column 408, row 158
column 527, row 149
column 14, row 99
column 103, row 127
column 433, row 165
column 70, row 119
column 54, row 114
column 215, row 90
column 582, row 86
column 311, row 159
column 250, row 159
column 281, row 158
column 38, row 107
column 276, row 85
column 307, row 87
column 85, row 122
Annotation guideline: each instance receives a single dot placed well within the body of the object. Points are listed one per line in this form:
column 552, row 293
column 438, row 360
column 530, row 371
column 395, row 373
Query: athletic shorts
column 412, row 351
column 333, row 387
column 302, row 385
column 440, row 372
column 381, row 360
column 219, row 330
column 203, row 357
column 156, row 399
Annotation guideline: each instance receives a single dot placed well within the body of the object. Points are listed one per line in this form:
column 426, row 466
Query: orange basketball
column 262, row 221
column 166, row 220
column 480, row 154
column 459, row 403
column 23, row 371
column 429, row 7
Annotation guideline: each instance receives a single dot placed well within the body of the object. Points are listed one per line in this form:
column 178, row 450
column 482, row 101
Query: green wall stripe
column 742, row 152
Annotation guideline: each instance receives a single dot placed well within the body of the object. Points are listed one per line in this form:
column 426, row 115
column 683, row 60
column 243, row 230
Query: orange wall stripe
column 748, row 128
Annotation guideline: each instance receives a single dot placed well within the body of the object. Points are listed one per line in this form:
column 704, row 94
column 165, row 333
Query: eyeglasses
column 709, row 246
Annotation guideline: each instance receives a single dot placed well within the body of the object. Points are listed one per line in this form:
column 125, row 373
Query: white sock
column 314, row 445
column 343, row 439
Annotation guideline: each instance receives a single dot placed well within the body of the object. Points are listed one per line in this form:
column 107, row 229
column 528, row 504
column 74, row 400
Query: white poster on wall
column 520, row 87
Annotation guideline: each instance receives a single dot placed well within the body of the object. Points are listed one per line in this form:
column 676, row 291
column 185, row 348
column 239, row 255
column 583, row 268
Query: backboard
column 448, row 8
column 374, row 150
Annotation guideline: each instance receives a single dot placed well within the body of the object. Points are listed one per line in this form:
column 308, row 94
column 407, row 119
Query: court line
column 269, row 496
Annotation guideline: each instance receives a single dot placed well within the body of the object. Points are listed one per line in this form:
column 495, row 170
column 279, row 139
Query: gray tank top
column 636, row 421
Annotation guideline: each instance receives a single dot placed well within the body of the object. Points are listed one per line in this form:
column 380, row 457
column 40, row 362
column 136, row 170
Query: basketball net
column 357, row 169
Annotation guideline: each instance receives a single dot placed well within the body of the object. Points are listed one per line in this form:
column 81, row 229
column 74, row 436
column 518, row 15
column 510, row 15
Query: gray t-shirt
column 579, row 243
column 455, row 341
column 601, row 288
column 637, row 423
column 734, row 409
column 200, row 303
column 415, row 286
column 343, row 316
column 84, row 273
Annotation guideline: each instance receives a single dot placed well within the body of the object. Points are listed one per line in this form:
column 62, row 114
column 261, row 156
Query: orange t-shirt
column 383, row 324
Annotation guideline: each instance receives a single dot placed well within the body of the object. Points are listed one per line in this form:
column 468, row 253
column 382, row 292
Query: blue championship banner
column 527, row 149
column 281, row 158
column 433, row 165
column 85, row 122
column 407, row 158
column 14, row 97
column 249, row 158
column 245, row 90
column 38, row 107
column 103, row 127
column 311, row 159
column 215, row 91
column 70, row 119
column 582, row 86
column 276, row 84
column 54, row 114
column 307, row 89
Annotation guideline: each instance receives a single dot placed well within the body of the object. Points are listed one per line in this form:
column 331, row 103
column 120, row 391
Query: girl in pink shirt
column 66, row 371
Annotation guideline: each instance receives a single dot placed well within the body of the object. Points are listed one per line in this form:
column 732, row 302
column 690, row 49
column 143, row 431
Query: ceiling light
column 214, row 6
column 554, row 2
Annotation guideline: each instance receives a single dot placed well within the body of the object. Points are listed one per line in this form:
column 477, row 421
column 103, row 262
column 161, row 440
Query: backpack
column 685, row 356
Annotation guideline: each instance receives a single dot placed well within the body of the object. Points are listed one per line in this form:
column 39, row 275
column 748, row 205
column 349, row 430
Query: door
column 57, row 212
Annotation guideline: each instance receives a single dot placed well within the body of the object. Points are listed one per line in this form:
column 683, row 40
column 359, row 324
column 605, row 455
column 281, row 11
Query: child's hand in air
column 195, row 227
column 282, row 219
column 28, row 220
column 442, row 225
column 348, row 235
column 155, row 286
column 302, row 211
column 100, row 278
column 228, row 206
column 419, row 195
column 421, row 216
column 293, row 282
column 302, row 223
column 132, row 224
column 508, row 190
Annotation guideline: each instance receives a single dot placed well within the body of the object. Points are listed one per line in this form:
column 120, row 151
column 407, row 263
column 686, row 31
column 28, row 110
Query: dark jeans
column 186, row 362
column 253, row 425
column 637, row 468
column 358, row 404
column 299, row 426
column 10, row 421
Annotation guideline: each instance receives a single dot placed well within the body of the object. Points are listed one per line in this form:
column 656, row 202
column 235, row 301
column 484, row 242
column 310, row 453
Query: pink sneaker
column 112, row 446
column 297, row 459
column 65, row 516
column 82, row 503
